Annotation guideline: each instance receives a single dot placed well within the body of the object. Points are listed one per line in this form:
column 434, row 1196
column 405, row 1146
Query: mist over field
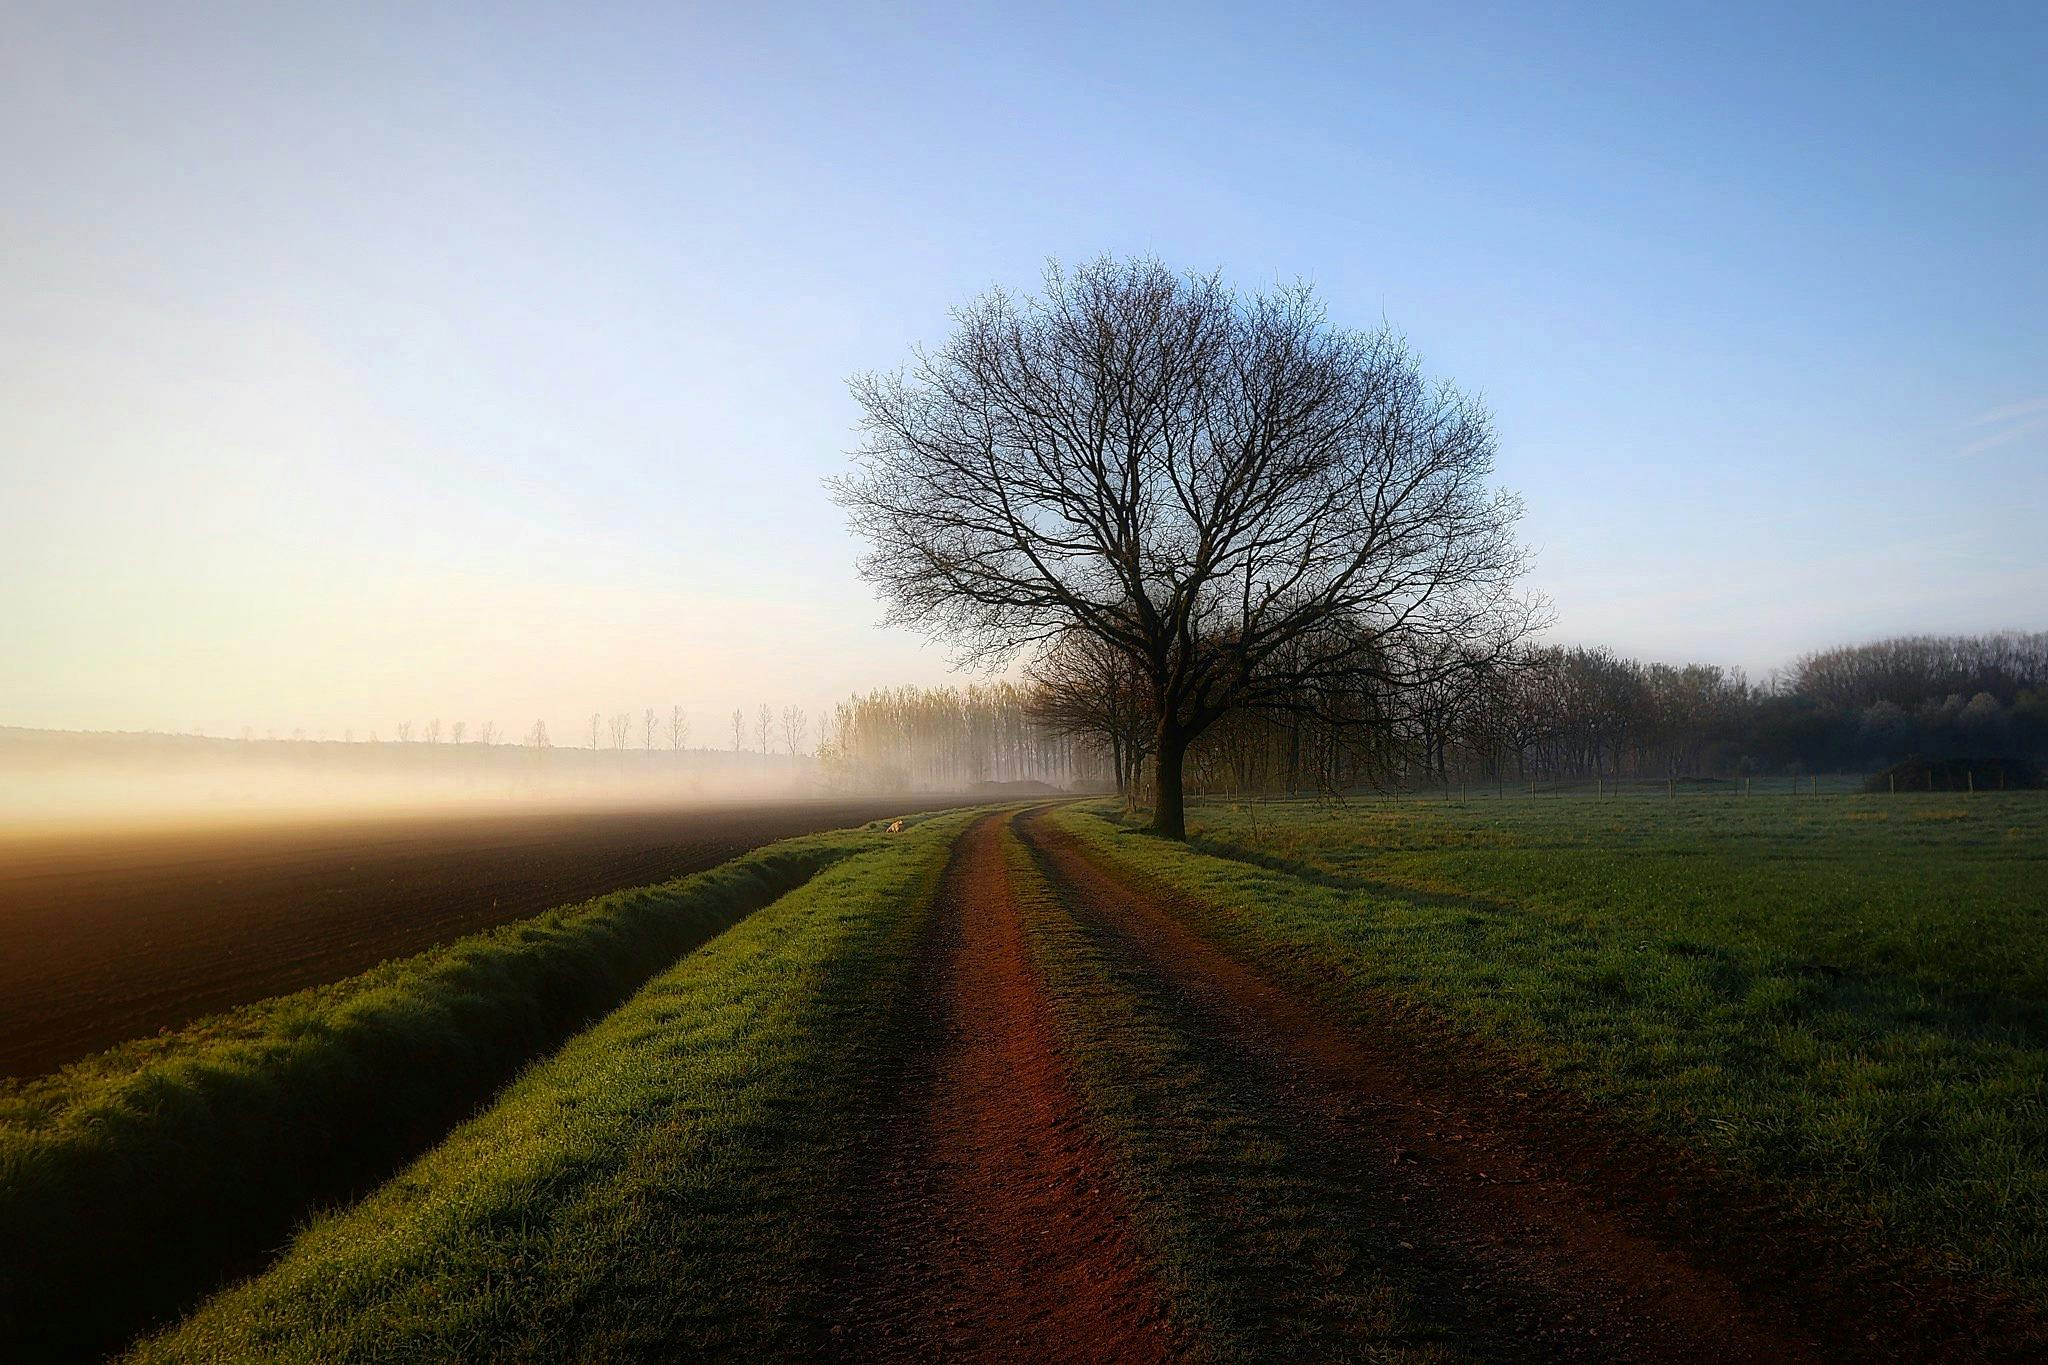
column 56, row 778
column 977, row 741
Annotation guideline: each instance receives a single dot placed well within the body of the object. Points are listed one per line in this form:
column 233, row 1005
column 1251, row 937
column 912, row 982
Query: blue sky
column 380, row 362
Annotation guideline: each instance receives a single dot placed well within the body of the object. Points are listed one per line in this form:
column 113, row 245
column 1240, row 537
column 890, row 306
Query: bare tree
column 647, row 732
column 764, row 727
column 405, row 732
column 457, row 730
column 678, row 728
column 622, row 729
column 487, row 733
column 537, row 737
column 434, row 730
column 739, row 730
column 795, row 727
column 1247, row 502
column 596, row 721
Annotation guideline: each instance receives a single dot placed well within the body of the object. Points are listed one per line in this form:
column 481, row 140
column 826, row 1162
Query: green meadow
column 1843, row 995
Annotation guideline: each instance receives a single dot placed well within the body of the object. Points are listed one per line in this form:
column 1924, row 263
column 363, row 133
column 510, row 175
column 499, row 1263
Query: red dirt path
column 109, row 937
column 998, row 1234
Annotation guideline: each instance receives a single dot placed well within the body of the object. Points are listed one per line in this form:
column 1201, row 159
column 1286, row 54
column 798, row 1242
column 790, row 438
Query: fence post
column 1895, row 783
column 1972, row 774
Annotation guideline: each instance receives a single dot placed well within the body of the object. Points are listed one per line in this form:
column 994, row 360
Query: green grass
column 1949, row 890
column 133, row 1182
column 1258, row 1256
column 668, row 1185
column 1843, row 996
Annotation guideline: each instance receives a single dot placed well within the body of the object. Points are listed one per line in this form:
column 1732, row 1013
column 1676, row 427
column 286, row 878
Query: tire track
column 1517, row 1257
column 996, row 1231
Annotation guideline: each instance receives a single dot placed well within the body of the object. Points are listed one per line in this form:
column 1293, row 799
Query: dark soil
column 104, row 938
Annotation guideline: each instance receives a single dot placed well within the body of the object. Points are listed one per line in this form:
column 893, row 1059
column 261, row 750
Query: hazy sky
column 379, row 362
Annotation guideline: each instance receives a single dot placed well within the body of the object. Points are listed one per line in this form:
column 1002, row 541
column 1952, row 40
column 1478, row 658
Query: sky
column 372, row 363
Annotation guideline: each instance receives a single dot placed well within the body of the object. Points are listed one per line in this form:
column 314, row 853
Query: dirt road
column 1002, row 1226
column 999, row 1233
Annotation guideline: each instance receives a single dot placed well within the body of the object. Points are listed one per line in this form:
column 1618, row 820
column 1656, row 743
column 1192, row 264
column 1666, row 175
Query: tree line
column 950, row 739
column 1577, row 714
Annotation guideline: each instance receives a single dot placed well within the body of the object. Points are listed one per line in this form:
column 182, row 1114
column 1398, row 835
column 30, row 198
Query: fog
column 51, row 780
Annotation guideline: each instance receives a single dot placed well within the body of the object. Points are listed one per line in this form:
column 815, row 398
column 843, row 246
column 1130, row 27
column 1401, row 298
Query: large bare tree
column 1241, row 498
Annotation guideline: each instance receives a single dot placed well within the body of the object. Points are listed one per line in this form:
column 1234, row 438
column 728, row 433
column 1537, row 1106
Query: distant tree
column 1089, row 689
column 434, row 730
column 647, row 732
column 622, row 728
column 764, row 726
column 794, row 728
column 405, row 732
column 455, row 731
column 348, row 736
column 537, row 737
column 941, row 739
column 739, row 730
column 596, row 721
column 487, row 733
column 1253, row 506
column 678, row 728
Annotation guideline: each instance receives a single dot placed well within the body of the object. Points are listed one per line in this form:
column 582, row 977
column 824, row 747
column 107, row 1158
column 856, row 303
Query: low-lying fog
column 56, row 779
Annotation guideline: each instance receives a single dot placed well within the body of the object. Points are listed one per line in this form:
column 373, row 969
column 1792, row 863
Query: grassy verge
column 133, row 1182
column 1257, row 1255
column 664, row 1187
column 1879, row 1100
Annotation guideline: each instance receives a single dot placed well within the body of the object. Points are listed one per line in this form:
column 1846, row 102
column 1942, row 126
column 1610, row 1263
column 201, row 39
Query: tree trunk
column 1169, row 816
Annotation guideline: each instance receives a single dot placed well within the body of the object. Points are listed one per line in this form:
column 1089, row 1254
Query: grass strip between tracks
column 666, row 1185
column 134, row 1182
column 1915, row 1127
column 1256, row 1257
